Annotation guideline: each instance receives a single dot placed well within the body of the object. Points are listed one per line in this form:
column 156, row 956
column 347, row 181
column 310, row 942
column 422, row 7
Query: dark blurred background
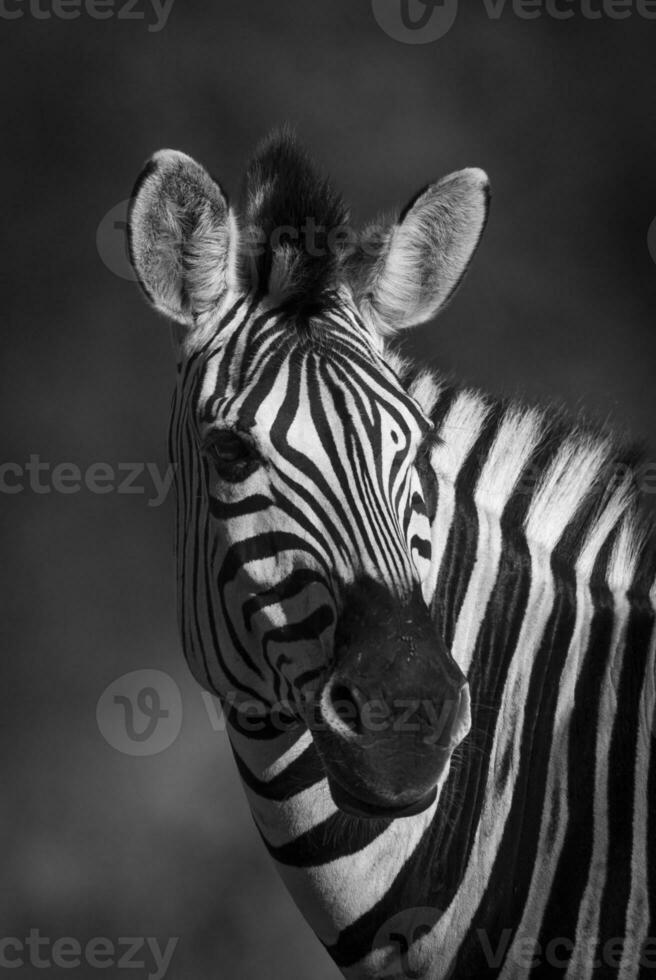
column 560, row 304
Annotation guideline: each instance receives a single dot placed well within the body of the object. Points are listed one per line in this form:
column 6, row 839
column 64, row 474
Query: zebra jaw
column 357, row 807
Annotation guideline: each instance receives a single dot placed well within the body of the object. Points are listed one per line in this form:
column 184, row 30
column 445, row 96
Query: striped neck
column 544, row 584
column 517, row 481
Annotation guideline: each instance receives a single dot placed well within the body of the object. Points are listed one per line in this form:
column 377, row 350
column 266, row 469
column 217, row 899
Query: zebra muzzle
column 393, row 709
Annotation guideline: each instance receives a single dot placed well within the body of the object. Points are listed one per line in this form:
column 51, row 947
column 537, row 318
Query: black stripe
column 287, row 588
column 226, row 511
column 621, row 784
column 337, row 837
column 253, row 719
column 421, row 546
column 315, row 623
column 460, row 554
column 304, row 772
column 570, row 879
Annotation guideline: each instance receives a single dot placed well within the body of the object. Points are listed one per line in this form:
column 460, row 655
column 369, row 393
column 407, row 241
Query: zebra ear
column 182, row 236
column 414, row 267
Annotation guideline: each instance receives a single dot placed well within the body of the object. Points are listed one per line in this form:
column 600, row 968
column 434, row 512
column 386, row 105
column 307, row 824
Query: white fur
column 424, row 257
column 426, row 391
column 515, row 442
column 459, row 432
column 563, row 487
column 335, row 895
column 184, row 239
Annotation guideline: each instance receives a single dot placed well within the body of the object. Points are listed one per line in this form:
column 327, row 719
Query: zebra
column 429, row 614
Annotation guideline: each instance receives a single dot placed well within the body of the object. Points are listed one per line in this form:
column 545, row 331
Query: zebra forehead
column 279, row 330
column 295, row 379
column 265, row 347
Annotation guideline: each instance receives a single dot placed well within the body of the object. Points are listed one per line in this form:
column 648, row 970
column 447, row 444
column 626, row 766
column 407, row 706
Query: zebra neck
column 513, row 484
column 545, row 593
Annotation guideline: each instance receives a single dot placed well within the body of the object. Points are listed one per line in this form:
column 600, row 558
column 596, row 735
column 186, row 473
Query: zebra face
column 304, row 498
column 309, row 534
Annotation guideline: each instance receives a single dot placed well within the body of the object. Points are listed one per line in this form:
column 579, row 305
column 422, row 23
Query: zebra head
column 305, row 494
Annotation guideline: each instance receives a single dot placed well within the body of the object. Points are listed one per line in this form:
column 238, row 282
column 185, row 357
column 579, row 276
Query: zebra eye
column 232, row 455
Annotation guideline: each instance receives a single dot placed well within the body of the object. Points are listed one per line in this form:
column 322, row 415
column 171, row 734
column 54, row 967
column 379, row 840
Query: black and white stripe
column 520, row 533
column 544, row 827
column 346, row 504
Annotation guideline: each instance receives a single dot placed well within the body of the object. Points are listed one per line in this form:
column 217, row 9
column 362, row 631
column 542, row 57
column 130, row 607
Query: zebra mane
column 292, row 218
column 583, row 486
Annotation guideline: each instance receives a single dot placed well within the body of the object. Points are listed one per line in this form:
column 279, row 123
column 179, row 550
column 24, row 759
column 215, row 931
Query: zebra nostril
column 347, row 703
